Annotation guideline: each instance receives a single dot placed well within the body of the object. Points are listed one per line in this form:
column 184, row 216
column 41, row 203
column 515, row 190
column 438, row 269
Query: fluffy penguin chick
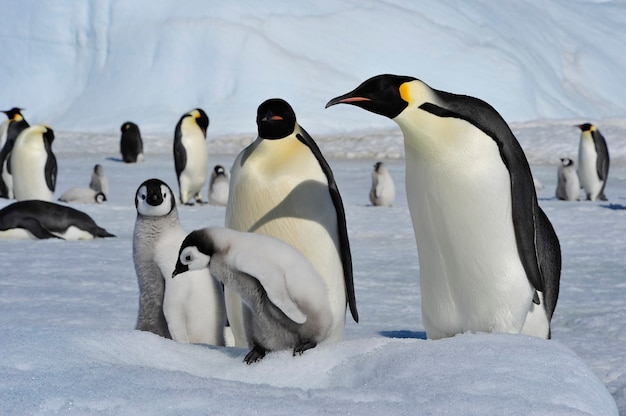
column 285, row 301
column 383, row 190
column 218, row 186
column 568, row 187
column 82, row 196
column 99, row 182
column 188, row 310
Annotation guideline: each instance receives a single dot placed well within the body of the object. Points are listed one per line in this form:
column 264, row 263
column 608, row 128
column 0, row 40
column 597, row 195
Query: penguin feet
column 303, row 346
column 256, row 354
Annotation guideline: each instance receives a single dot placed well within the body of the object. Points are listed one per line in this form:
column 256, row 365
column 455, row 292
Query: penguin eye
column 143, row 197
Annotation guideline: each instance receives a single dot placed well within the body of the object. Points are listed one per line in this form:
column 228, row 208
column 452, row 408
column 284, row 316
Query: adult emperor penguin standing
column 568, row 185
column 489, row 258
column 33, row 164
column 15, row 124
column 189, row 310
column 191, row 157
column 282, row 186
column 593, row 162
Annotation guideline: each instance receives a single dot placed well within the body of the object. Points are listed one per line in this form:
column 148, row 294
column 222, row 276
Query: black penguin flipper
column 549, row 257
column 602, row 161
column 50, row 170
column 345, row 254
column 180, row 154
column 33, row 226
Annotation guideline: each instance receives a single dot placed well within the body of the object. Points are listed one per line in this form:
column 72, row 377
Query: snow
column 67, row 309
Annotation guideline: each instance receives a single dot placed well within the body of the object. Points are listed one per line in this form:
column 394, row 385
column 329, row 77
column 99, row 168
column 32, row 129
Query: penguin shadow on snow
column 404, row 334
column 614, row 207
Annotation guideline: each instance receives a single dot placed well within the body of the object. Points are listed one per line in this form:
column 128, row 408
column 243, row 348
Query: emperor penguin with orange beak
column 489, row 258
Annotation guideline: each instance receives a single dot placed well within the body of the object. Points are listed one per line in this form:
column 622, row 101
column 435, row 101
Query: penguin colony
column 280, row 273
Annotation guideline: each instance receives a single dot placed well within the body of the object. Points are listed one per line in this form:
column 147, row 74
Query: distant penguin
column 191, row 157
column 83, row 196
column 33, row 164
column 99, row 182
column 131, row 144
column 218, row 185
column 285, row 300
column 190, row 309
column 490, row 260
column 383, row 190
column 568, row 187
column 593, row 162
column 14, row 126
column 282, row 186
column 35, row 219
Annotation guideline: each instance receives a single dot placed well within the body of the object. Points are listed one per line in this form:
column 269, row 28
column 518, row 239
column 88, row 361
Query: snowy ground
column 67, row 309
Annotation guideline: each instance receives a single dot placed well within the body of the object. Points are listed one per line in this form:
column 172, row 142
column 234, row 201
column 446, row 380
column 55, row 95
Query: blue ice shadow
column 404, row 333
column 614, row 207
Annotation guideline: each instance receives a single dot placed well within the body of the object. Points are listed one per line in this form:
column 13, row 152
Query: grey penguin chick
column 99, row 182
column 83, row 196
column 568, row 187
column 190, row 309
column 285, row 301
column 219, row 185
column 383, row 191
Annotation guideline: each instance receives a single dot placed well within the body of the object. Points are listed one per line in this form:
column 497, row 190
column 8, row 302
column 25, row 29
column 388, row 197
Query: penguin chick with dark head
column 190, row 309
column 285, row 301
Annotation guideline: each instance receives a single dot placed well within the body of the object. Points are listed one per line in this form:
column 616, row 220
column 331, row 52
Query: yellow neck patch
column 405, row 92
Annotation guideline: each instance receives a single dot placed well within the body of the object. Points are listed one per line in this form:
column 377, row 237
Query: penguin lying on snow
column 36, row 219
column 285, row 300
column 82, row 196
column 190, row 309
column 282, row 186
column 490, row 260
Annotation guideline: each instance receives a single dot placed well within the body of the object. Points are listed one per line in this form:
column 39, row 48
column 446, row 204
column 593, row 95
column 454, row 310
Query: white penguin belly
column 28, row 161
column 267, row 192
column 74, row 233
column 193, row 177
column 471, row 276
column 588, row 172
column 17, row 234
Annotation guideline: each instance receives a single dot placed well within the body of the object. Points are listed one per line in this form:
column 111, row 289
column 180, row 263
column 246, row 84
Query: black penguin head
column 14, row 114
column 275, row 119
column 565, row 161
column 154, row 198
column 129, row 127
column 48, row 135
column 377, row 166
column 585, row 127
column 201, row 119
column 381, row 94
column 195, row 252
column 219, row 170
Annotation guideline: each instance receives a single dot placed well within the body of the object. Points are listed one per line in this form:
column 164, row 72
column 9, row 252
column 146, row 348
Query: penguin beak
column 180, row 268
column 346, row 100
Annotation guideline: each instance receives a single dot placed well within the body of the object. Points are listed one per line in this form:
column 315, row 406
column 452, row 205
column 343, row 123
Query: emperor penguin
column 11, row 128
column 190, row 309
column 568, row 185
column 593, row 162
column 82, row 196
column 131, row 144
column 489, row 258
column 383, row 191
column 285, row 300
column 99, row 182
column 191, row 157
column 37, row 220
column 282, row 186
column 33, row 164
column 218, row 185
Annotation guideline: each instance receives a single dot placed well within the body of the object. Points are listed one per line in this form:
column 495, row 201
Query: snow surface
column 67, row 309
